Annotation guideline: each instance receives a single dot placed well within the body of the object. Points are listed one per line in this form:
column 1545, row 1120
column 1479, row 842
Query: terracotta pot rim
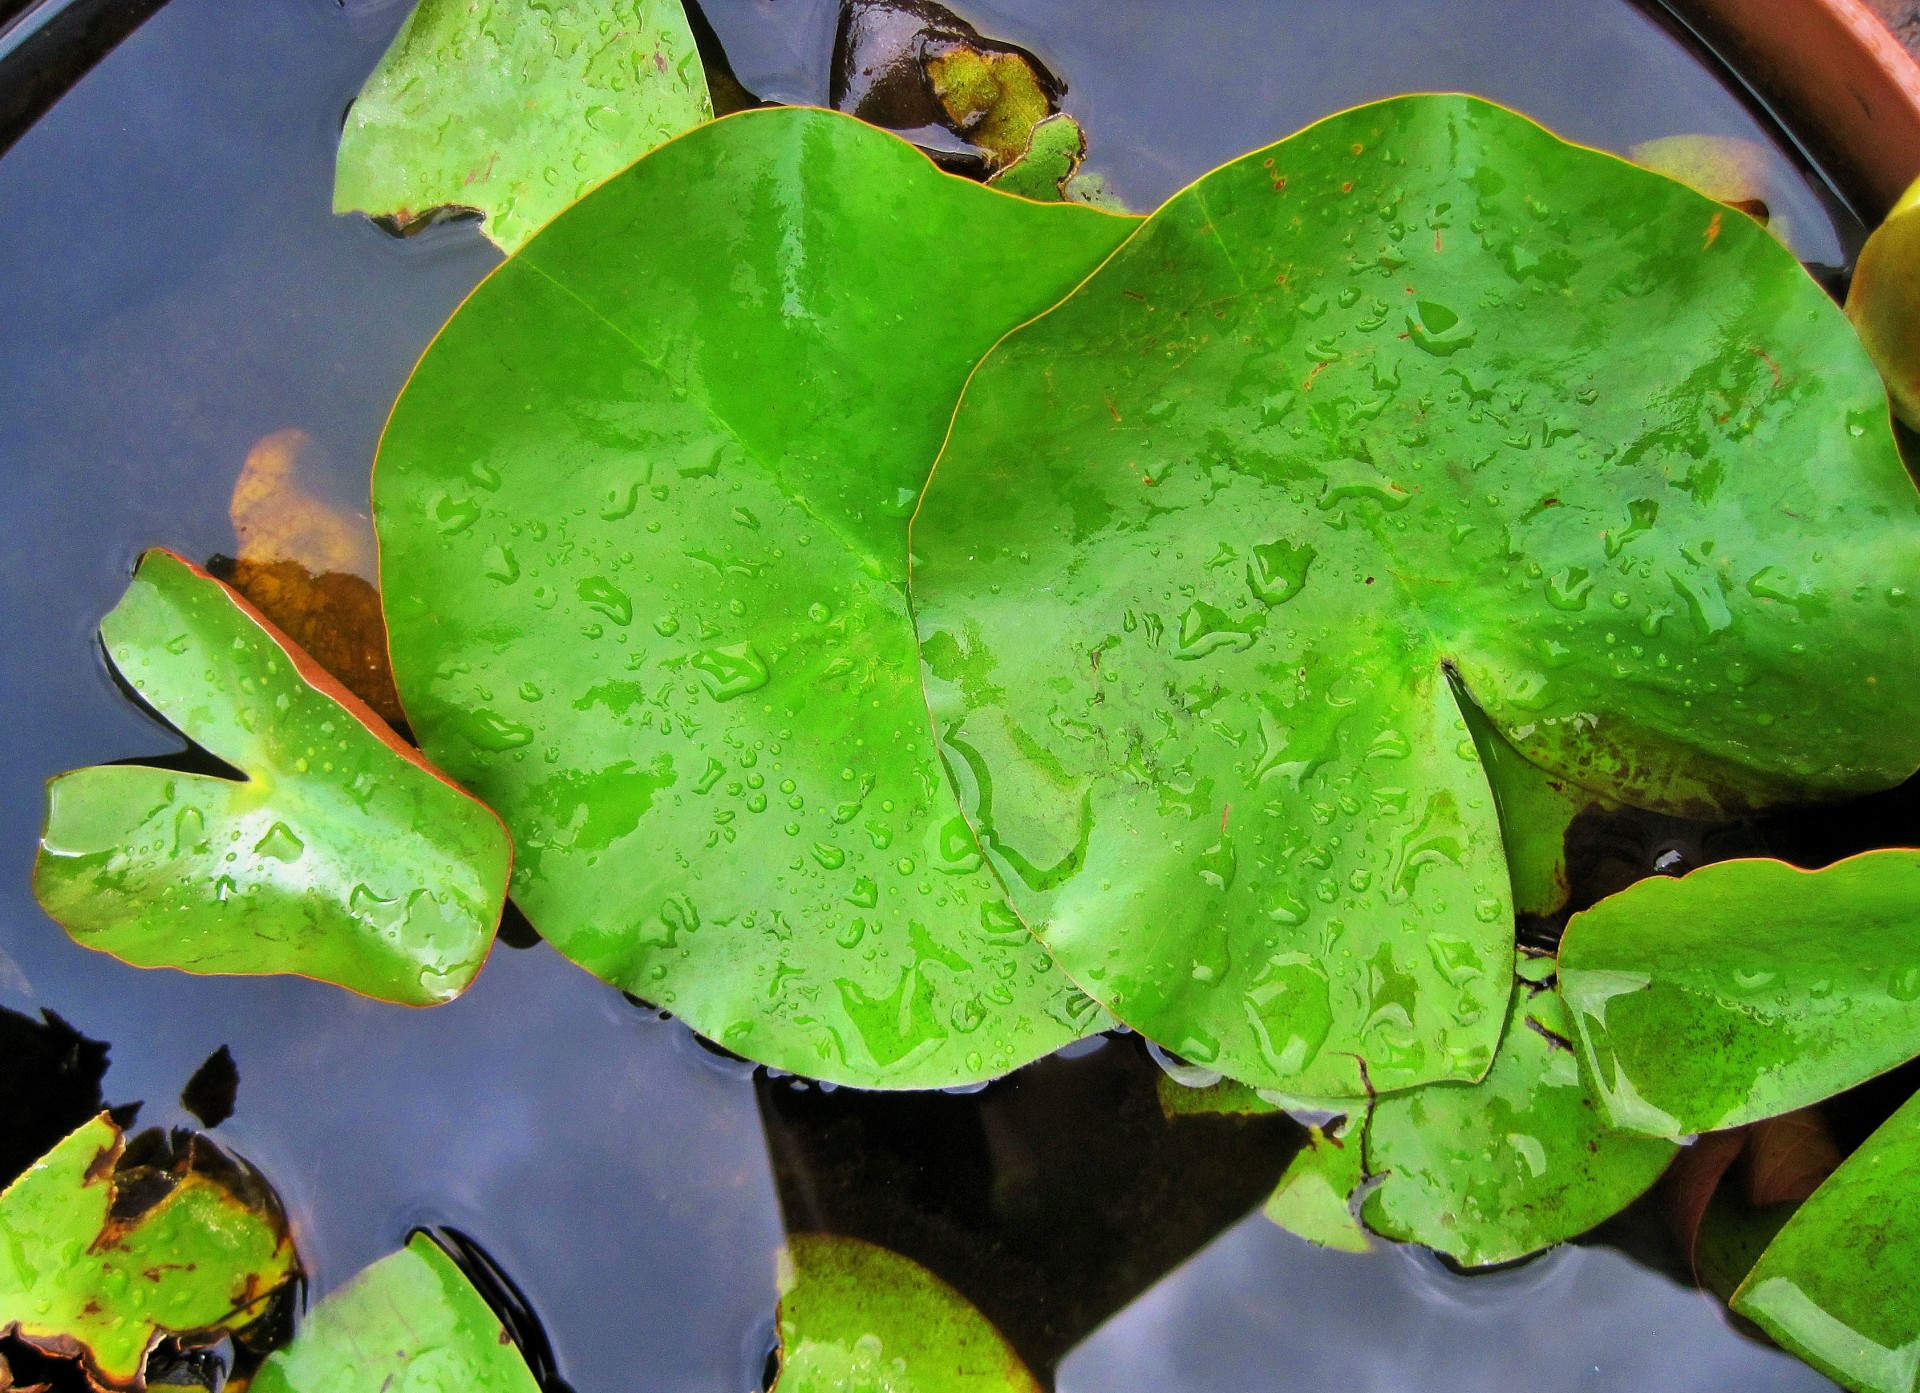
column 1835, row 79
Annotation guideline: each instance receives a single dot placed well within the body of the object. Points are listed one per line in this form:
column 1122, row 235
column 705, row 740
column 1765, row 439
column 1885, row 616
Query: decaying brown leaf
column 1788, row 1157
column 305, row 565
column 276, row 518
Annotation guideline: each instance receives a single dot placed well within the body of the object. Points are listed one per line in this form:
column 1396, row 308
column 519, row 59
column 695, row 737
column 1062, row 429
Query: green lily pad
column 1746, row 989
column 106, row 1250
column 515, row 110
column 1492, row 1171
column 856, row 1317
column 643, row 514
column 1315, row 1198
column 1838, row 1285
column 1421, row 392
column 411, row 1323
column 340, row 855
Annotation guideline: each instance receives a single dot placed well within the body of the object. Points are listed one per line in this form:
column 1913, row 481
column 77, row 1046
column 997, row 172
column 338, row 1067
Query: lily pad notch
column 341, row 854
column 1420, row 398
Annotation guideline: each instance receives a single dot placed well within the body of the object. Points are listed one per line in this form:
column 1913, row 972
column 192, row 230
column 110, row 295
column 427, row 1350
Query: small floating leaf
column 1746, row 989
column 1052, row 158
column 106, row 1248
column 733, row 809
column 340, row 855
column 411, row 1323
column 1315, row 1198
column 1405, row 338
column 854, row 1316
column 515, row 110
column 1840, row 1285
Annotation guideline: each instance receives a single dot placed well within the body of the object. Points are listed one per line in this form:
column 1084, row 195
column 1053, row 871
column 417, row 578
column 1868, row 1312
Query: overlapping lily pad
column 106, row 1250
column 1840, row 1285
column 855, row 1316
column 1747, row 989
column 515, row 110
column 1493, row 1171
column 340, row 854
column 643, row 514
column 1420, row 394
column 411, row 1323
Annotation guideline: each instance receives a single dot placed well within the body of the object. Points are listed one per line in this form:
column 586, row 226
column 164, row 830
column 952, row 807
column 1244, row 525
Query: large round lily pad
column 1421, row 401
column 643, row 513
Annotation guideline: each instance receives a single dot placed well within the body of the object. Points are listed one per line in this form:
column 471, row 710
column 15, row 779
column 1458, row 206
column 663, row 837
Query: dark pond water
column 175, row 288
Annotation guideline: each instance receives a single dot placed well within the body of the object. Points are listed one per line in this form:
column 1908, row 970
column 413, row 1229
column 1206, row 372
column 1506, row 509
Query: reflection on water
column 176, row 290
column 1261, row 1311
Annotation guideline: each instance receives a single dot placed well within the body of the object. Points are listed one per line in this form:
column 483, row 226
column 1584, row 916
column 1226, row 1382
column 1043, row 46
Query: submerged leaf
column 107, row 1249
column 515, row 110
column 1746, row 989
column 1838, row 1285
column 340, row 854
column 642, row 513
column 411, row 1323
column 276, row 518
column 1422, row 393
column 856, row 1317
column 1884, row 303
column 1725, row 168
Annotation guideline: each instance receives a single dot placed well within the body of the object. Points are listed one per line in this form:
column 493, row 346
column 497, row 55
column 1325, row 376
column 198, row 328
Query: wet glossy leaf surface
column 1493, row 1171
column 340, row 855
column 1421, row 391
column 1747, row 989
column 411, row 1323
column 515, row 110
column 1837, row 1286
column 857, row 1317
column 1315, row 1198
column 102, row 1255
column 643, row 523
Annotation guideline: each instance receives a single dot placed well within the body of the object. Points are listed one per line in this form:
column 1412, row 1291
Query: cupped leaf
column 855, row 1316
column 642, row 513
column 107, row 1249
column 339, row 855
column 411, row 1323
column 516, row 109
column 1746, row 989
column 1884, row 303
column 1492, row 1171
column 1840, row 1285
column 1420, row 392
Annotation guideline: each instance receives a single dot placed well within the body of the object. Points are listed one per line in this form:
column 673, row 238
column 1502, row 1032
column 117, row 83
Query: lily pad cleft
column 1422, row 406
